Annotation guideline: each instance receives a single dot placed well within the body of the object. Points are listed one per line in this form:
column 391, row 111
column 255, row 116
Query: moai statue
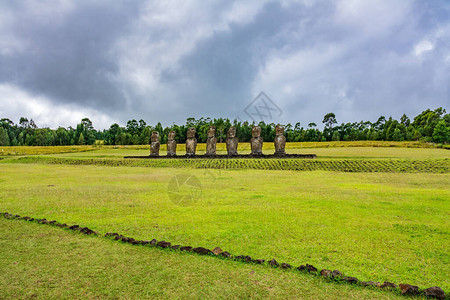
column 256, row 142
column 191, row 142
column 211, row 141
column 171, row 144
column 154, row 144
column 280, row 140
column 232, row 141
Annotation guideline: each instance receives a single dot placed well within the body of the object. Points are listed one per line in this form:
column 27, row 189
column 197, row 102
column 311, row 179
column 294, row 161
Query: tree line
column 428, row 126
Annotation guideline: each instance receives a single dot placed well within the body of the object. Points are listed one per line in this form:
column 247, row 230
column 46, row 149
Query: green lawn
column 374, row 226
column 45, row 262
column 322, row 152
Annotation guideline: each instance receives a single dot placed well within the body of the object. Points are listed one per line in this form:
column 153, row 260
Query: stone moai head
column 191, row 133
column 279, row 130
column 211, row 131
column 256, row 131
column 155, row 136
column 171, row 136
column 231, row 132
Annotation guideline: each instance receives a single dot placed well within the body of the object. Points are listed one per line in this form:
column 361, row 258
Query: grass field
column 43, row 262
column 383, row 226
column 243, row 148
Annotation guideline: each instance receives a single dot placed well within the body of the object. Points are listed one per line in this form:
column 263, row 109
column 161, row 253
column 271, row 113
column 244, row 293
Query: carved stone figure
column 171, row 144
column 256, row 142
column 154, row 144
column 191, row 142
column 280, row 140
column 232, row 141
column 211, row 141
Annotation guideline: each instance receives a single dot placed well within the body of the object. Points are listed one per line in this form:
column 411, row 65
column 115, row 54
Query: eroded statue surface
column 211, row 141
column 171, row 144
column 256, row 142
column 191, row 142
column 232, row 141
column 280, row 140
column 154, row 144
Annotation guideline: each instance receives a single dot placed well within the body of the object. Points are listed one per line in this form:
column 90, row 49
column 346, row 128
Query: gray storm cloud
column 169, row 61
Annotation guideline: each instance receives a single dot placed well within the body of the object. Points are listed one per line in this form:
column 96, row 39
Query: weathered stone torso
column 154, row 144
column 232, row 142
column 256, row 141
column 211, row 142
column 171, row 144
column 191, row 142
column 280, row 140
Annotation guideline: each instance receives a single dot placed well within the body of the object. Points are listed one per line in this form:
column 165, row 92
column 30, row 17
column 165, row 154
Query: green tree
column 336, row 136
column 4, row 138
column 441, row 133
column 405, row 120
column 329, row 119
column 81, row 139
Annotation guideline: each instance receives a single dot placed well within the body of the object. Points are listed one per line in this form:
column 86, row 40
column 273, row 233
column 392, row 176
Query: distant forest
column 428, row 126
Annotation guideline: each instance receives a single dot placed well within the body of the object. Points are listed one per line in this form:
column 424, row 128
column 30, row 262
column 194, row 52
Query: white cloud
column 422, row 47
column 17, row 103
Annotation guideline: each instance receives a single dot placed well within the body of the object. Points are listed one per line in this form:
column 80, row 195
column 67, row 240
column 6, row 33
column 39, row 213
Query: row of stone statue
column 256, row 142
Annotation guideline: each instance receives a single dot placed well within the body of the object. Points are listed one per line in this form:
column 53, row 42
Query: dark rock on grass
column 86, row 230
column 389, row 285
column 217, row 250
column 74, row 227
column 311, row 268
column 175, row 247
column 145, row 243
column 408, row 289
column 274, row 263
column 127, row 239
column 225, row 254
column 31, row 219
column 153, row 242
column 326, row 273
column 201, row 250
column 301, row 268
column 244, row 258
column 286, row 266
column 108, row 234
column 336, row 274
column 186, row 248
column 369, row 283
column 258, row 261
column 163, row 244
column 118, row 237
column 351, row 280
column 130, row 240
column 52, row 222
column 434, row 292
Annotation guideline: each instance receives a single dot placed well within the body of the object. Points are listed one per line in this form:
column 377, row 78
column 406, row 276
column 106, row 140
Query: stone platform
column 225, row 156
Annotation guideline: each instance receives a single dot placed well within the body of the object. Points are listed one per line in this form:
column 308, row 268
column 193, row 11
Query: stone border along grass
column 336, row 275
column 340, row 165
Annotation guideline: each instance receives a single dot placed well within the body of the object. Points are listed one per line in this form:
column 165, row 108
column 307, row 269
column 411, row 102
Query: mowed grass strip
column 268, row 147
column 374, row 226
column 44, row 262
column 342, row 165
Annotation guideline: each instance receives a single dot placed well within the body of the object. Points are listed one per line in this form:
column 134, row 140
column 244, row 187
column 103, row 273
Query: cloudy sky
column 113, row 61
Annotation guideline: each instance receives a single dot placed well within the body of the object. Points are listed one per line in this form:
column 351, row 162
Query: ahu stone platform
column 226, row 156
column 232, row 143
